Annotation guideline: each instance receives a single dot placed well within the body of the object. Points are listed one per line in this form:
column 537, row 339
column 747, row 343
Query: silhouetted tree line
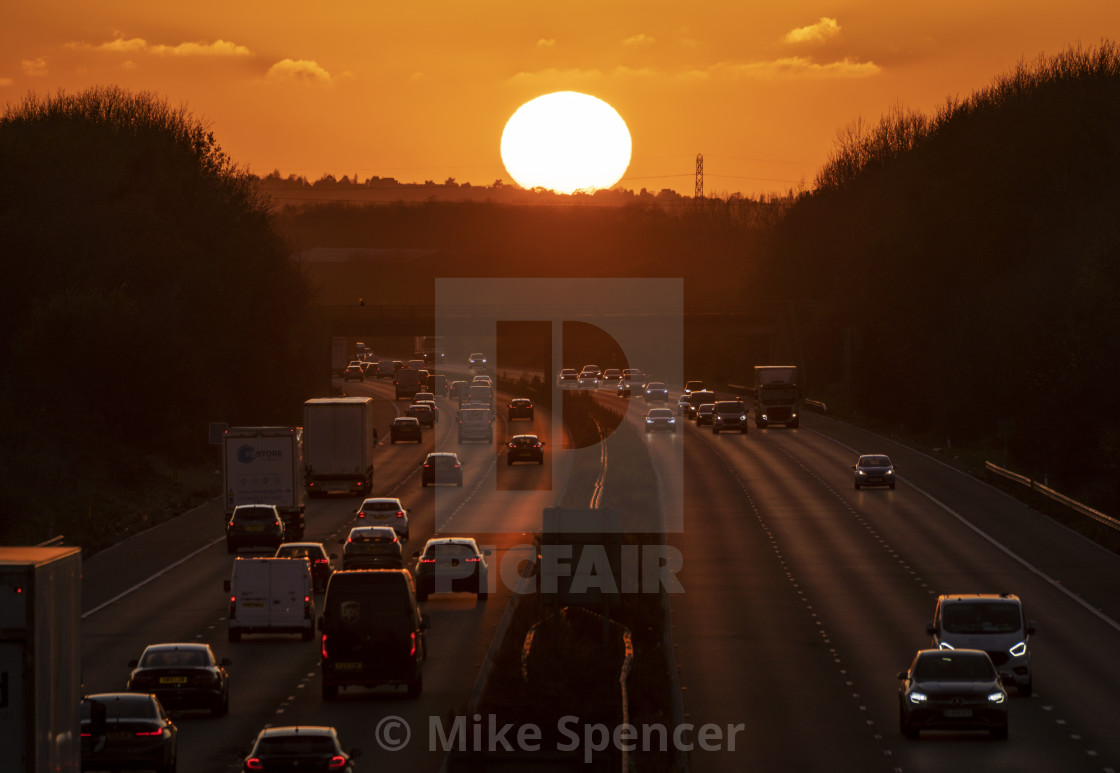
column 146, row 293
column 963, row 269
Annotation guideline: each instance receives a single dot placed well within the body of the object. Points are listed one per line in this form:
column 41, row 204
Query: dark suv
column 254, row 526
column 373, row 632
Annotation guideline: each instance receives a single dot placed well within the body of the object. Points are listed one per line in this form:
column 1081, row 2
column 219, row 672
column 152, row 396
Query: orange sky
column 421, row 91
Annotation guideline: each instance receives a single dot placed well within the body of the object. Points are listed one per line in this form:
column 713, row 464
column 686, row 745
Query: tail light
column 361, row 513
column 324, row 650
column 473, row 560
column 337, row 763
column 412, row 651
column 157, row 731
column 400, row 513
column 254, row 763
column 232, row 606
column 427, row 560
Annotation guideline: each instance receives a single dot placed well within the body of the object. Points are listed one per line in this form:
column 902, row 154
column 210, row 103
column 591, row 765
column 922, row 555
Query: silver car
column 729, row 415
column 993, row 622
column 660, row 419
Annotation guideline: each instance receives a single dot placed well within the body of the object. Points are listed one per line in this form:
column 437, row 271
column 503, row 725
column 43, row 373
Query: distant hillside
column 964, row 269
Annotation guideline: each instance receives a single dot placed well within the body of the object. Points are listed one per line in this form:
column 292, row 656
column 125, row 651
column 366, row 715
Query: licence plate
column 254, row 528
column 172, row 680
column 253, row 604
column 958, row 713
column 119, row 735
column 348, row 666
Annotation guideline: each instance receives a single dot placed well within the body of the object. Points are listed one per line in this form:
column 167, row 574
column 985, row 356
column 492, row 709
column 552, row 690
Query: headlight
column 890, row 472
column 860, row 472
column 743, row 417
column 649, row 421
column 672, row 420
column 1019, row 650
column 918, row 697
column 997, row 697
column 944, row 646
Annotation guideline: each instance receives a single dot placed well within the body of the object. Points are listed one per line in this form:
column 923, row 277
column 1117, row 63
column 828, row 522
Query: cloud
column 299, row 70
column 6, row 82
column 34, row 67
column 554, row 75
column 797, row 67
column 546, row 43
column 121, row 45
column 640, row 39
column 815, row 33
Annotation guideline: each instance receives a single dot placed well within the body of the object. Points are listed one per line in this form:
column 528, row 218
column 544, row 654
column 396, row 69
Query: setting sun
column 566, row 142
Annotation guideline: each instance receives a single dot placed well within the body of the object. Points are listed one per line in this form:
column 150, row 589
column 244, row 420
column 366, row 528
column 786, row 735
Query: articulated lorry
column 338, row 441
column 40, row 659
column 264, row 466
column 777, row 396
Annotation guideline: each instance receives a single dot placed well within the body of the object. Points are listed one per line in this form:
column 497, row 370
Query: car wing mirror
column 1031, row 627
column 930, row 629
column 416, row 554
column 903, row 675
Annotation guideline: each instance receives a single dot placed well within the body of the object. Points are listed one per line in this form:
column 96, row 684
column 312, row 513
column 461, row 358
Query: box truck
column 40, row 659
column 338, row 441
column 264, row 466
column 777, row 397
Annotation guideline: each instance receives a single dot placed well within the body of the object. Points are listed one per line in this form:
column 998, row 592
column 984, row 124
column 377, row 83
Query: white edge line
column 144, row 582
column 1011, row 554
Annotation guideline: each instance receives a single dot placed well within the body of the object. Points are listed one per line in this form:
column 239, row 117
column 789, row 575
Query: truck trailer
column 40, row 659
column 338, row 441
column 264, row 466
column 777, row 395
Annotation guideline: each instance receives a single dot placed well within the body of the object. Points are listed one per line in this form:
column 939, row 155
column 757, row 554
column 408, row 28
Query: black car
column 704, row 413
column 521, row 408
column 183, row 676
column 372, row 547
column 451, row 565
column 423, row 413
column 254, row 526
column 354, row 372
column 873, row 470
column 729, row 414
column 525, row 448
column 308, row 748
column 126, row 730
column 951, row 690
column 441, row 467
column 316, row 555
column 405, row 428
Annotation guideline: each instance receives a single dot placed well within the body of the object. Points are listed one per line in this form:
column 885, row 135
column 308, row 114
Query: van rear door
column 289, row 588
column 252, row 601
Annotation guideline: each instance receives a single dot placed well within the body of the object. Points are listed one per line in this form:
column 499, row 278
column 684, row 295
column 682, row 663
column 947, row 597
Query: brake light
column 455, row 466
column 473, row 560
column 427, row 466
column 412, row 651
column 320, row 560
column 157, row 731
column 400, row 513
column 337, row 762
column 427, row 560
column 324, row 650
column 361, row 513
column 253, row 763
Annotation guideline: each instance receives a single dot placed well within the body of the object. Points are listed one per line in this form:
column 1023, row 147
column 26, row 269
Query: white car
column 384, row 511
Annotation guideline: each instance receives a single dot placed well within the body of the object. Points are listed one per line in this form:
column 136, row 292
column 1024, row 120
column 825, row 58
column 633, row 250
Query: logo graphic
column 350, row 611
column 246, row 454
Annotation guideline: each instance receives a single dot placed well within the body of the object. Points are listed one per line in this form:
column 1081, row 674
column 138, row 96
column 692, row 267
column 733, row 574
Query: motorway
column 802, row 600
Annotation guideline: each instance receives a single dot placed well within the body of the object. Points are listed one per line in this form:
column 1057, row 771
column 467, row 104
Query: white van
column 271, row 595
column 476, row 422
column 483, row 394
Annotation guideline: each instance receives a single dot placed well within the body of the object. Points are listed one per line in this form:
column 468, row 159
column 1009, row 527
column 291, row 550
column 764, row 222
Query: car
column 682, row 405
column 451, row 565
column 418, row 365
column 634, row 377
column 525, row 448
column 405, row 428
column 660, row 419
column 384, row 511
column 299, row 747
column 183, row 675
column 437, row 383
column 456, row 390
column 441, row 467
column 482, row 378
column 372, row 547
column 521, row 408
column 127, row 730
column 569, row 378
column 704, row 413
column 729, row 414
column 317, row 558
column 254, row 526
column 372, row 632
column 476, row 360
column 424, row 397
column 698, row 397
column 429, row 403
column 588, row 379
column 694, row 386
column 354, row 372
column 873, row 470
column 951, row 690
column 385, row 369
column 993, row 622
column 611, row 377
column 624, row 389
column 656, row 392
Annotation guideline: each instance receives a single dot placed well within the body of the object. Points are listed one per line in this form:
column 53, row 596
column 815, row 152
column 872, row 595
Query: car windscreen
column 256, row 514
column 980, row 617
column 953, row 667
column 450, row 551
column 138, row 707
column 728, row 406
